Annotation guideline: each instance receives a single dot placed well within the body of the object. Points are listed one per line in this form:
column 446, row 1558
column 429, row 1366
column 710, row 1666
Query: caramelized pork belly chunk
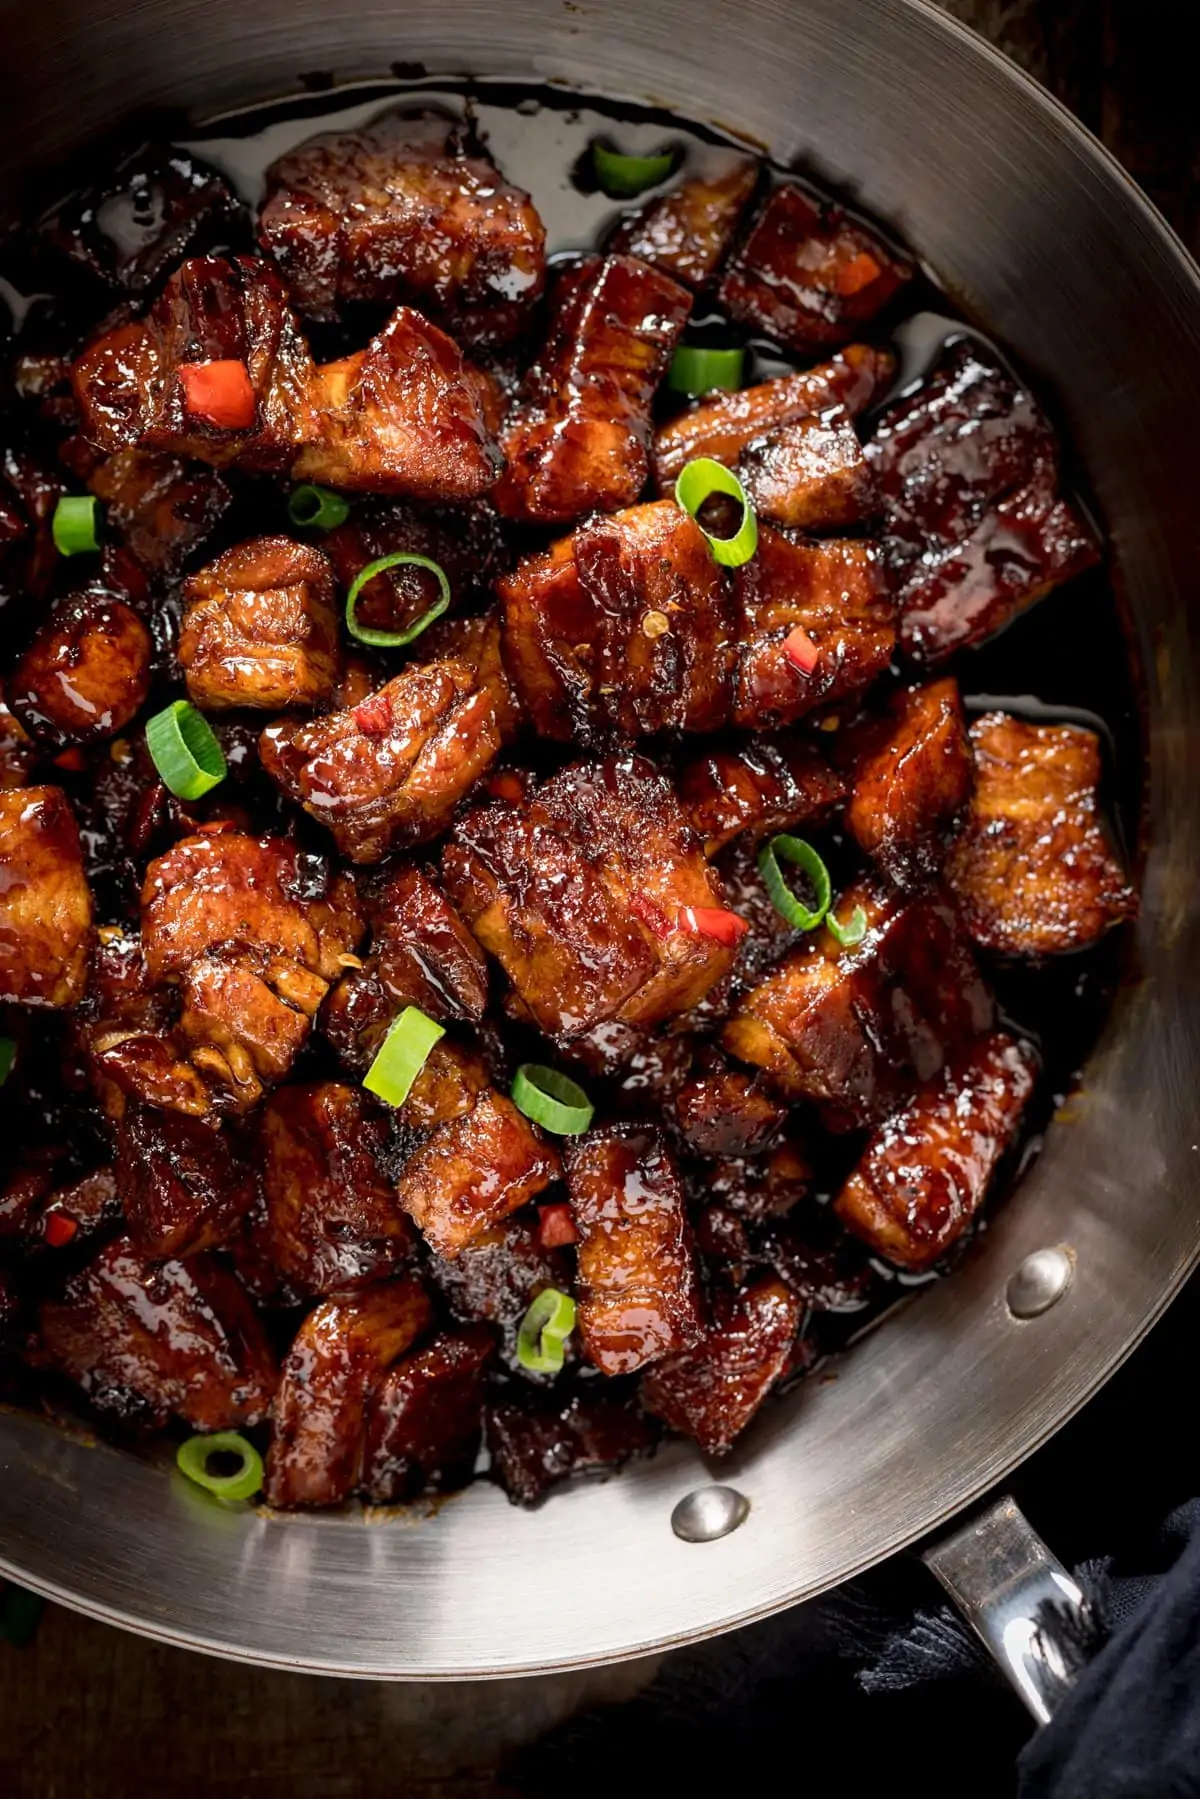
column 535, row 1442
column 404, row 209
column 827, row 1270
column 464, row 540
column 925, row 1172
column 686, row 232
column 260, row 629
column 726, row 1112
column 45, row 901
column 1033, row 870
column 388, row 773
column 808, row 276
column 183, row 1186
column 855, row 1029
column 712, row 1390
column 636, row 1281
column 809, row 475
column 975, row 525
column 578, row 440
column 761, row 1186
column 29, row 494
column 148, row 1340
column 770, row 785
column 85, row 674
column 161, row 507
column 910, row 774
column 425, row 1423
column 498, row 1276
column 583, row 892
column 18, row 756
column 338, row 1360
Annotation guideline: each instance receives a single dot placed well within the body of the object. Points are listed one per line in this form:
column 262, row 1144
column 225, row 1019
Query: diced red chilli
column 800, row 650
column 374, row 716
column 72, row 760
column 219, row 393
column 713, row 921
column 58, row 1229
column 556, row 1227
column 856, row 274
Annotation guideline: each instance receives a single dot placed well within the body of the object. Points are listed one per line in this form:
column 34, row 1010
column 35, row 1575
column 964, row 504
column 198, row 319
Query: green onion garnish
column 698, row 480
column 850, row 934
column 803, row 856
column 621, row 177
column 194, row 1456
column 695, row 371
column 8, row 1055
column 392, row 640
column 543, row 1331
column 184, row 750
column 402, row 1055
column 318, row 507
column 551, row 1099
column 75, row 524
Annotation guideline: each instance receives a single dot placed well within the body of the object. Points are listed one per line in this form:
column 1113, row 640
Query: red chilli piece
column 713, row 921
column 374, row 716
column 856, row 274
column 73, row 761
column 219, row 393
column 58, row 1229
column 506, row 784
column 800, row 650
column 556, row 1227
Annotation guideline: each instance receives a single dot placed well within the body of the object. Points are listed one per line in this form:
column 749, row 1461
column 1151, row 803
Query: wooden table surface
column 87, row 1712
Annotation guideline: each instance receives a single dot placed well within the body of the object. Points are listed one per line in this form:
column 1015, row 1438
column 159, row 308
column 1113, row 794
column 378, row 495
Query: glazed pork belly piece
column 404, row 209
column 45, row 900
column 161, row 507
column 593, row 894
column 711, row 1391
column 534, row 1443
column 425, row 1423
column 975, row 525
column 686, row 232
column 636, row 1281
column 724, row 1112
column 1033, row 871
column 925, row 1172
column 260, row 629
column 809, row 475
column 29, row 561
column 86, row 672
column 497, row 1277
column 388, row 773
column 910, row 775
column 808, row 275
column 578, row 440
column 183, row 1186
column 753, row 792
column 466, row 542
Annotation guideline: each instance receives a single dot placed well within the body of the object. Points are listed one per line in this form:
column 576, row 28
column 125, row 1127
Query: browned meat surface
column 404, row 209
column 578, row 440
column 464, row 540
column 1033, row 870
column 685, row 233
column 18, row 757
column 975, row 526
column 162, row 507
column 86, row 672
column 499, row 1275
column 28, row 559
column 809, row 276
column 924, row 1174
column 910, row 775
column 753, row 792
column 260, row 628
column 182, row 1184
column 712, row 1391
column 725, row 1112
column 536, row 1443
column 636, row 1279
column 809, row 475
column 761, row 1186
column 148, row 1340
column 339, row 1358
column 45, row 901
column 826, row 1273
column 426, row 1421
column 157, row 206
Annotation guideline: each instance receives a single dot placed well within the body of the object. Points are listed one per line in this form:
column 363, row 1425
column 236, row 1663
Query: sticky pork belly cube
column 29, row 493
column 45, row 900
column 1033, row 870
column 465, row 541
column 338, row 1360
column 712, row 1391
column 578, row 439
column 498, row 1275
column 535, row 1442
column 770, row 785
column 162, row 508
column 404, row 209
column 260, row 628
column 638, row 1297
column 388, row 773
column 182, row 1184
column 808, row 275
column 425, row 1423
column 85, row 674
column 148, row 1340
column 975, row 525
column 155, row 207
column 910, row 775
column 723, row 1111
column 809, row 475
column 580, row 892
column 925, row 1172
column 686, row 232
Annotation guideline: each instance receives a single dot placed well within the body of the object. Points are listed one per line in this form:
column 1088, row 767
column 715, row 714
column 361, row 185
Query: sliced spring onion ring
column 850, row 933
column 695, row 370
column 543, row 1331
column 8, row 1055
column 184, row 750
column 698, row 480
column 551, row 1099
column 803, row 856
column 402, row 1055
column 393, row 640
column 193, row 1458
column 75, row 524
column 621, row 176
column 318, row 508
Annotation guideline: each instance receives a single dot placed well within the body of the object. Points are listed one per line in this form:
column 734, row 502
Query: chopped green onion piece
column 194, row 1456
column 8, row 1055
column 75, row 522
column 184, row 750
column 318, row 507
column 402, row 1055
column 551, row 1099
column 543, row 1331
column 392, row 640
column 698, row 480
column 695, row 370
column 621, row 177
column 803, row 856
column 851, row 933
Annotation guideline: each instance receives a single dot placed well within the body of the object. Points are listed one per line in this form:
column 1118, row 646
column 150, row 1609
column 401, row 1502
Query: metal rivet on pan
column 1039, row 1282
column 709, row 1513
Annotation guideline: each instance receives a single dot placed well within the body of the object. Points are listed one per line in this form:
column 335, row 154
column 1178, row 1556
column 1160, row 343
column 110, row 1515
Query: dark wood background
column 91, row 1713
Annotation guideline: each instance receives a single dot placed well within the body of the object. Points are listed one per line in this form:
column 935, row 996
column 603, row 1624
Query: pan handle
column 1019, row 1600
